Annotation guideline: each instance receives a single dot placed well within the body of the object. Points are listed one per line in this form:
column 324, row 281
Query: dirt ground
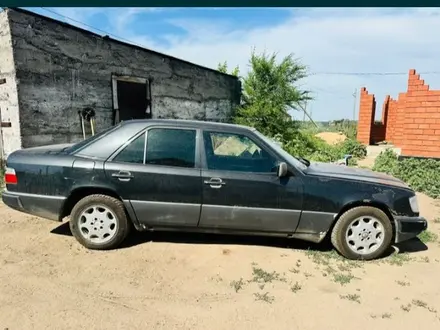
column 181, row 281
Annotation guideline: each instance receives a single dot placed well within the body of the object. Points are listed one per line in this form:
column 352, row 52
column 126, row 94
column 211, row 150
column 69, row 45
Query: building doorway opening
column 131, row 98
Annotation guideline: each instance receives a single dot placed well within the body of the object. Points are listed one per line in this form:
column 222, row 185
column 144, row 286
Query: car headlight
column 414, row 204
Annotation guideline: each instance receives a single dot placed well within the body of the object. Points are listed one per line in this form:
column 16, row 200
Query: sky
column 334, row 43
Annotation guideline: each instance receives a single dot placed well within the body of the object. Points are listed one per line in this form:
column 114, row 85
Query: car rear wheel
column 99, row 222
column 362, row 232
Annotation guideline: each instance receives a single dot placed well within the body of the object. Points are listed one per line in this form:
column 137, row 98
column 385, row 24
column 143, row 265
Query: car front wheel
column 99, row 222
column 362, row 232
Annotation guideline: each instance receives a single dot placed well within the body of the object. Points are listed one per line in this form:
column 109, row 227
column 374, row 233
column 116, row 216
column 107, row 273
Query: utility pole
column 354, row 103
column 305, row 109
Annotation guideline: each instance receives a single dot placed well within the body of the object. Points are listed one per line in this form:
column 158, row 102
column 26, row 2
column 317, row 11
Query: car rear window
column 79, row 145
column 108, row 142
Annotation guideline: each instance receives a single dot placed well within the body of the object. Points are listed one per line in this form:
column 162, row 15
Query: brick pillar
column 400, row 120
column 366, row 116
column 391, row 120
column 385, row 114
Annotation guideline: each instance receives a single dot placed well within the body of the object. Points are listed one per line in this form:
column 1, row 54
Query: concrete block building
column 50, row 70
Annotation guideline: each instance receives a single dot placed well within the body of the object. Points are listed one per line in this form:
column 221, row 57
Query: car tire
column 363, row 233
column 99, row 222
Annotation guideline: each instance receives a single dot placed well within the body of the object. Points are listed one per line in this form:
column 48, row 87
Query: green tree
column 270, row 90
column 223, row 67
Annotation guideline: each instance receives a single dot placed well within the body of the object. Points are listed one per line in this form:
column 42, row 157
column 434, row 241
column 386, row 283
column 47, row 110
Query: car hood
column 352, row 173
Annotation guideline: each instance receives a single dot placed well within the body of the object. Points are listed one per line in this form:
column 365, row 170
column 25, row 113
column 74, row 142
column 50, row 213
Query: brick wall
column 412, row 122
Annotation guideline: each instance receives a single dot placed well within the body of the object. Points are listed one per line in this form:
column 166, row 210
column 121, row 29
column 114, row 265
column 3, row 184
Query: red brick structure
column 412, row 122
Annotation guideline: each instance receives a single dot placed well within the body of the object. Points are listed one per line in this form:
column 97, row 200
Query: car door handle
column 123, row 175
column 215, row 182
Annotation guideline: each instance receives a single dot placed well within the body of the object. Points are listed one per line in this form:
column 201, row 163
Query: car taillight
column 10, row 176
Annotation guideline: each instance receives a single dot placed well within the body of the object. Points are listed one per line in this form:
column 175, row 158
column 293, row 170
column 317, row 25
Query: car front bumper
column 409, row 227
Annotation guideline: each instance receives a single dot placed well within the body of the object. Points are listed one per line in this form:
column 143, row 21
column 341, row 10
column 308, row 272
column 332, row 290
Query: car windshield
column 92, row 138
column 291, row 159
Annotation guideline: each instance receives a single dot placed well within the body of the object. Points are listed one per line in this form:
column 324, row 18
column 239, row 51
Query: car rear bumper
column 409, row 227
column 47, row 207
column 12, row 201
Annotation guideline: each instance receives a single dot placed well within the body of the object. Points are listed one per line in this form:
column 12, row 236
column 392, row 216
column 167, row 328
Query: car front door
column 241, row 188
column 159, row 173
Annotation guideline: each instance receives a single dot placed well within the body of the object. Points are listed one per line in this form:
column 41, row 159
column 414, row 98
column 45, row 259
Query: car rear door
column 241, row 189
column 158, row 171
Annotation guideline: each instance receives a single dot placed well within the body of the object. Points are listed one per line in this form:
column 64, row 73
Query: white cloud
column 331, row 40
column 122, row 17
column 118, row 18
column 327, row 40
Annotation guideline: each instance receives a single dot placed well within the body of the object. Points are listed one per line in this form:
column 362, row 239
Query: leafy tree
column 275, row 83
column 223, row 67
column 270, row 90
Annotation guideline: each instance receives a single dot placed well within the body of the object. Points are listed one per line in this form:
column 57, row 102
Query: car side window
column 236, row 152
column 133, row 152
column 171, row 147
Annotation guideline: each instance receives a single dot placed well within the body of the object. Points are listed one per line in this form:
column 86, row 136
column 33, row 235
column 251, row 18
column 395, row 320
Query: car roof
column 188, row 123
column 103, row 147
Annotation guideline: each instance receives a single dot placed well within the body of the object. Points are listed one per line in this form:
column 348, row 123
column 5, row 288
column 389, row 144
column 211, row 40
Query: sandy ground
column 367, row 162
column 331, row 137
column 181, row 281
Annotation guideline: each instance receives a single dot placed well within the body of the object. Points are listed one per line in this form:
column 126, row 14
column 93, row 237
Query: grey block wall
column 62, row 69
column 10, row 137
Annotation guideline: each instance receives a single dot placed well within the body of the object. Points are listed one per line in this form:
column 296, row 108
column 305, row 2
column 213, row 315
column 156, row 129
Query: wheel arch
column 373, row 203
column 80, row 192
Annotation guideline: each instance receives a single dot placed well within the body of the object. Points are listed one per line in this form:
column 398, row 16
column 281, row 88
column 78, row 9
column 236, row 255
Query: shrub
column 353, row 147
column 422, row 175
column 305, row 144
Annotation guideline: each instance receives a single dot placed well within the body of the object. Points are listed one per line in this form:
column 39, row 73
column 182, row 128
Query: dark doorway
column 133, row 100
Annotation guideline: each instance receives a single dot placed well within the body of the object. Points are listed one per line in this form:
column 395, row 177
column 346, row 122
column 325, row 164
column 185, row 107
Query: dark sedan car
column 207, row 177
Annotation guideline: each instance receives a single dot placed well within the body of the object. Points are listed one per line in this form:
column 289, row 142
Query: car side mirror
column 282, row 169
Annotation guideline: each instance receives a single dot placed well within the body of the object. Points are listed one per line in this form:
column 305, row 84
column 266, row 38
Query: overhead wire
column 91, row 27
column 371, row 73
